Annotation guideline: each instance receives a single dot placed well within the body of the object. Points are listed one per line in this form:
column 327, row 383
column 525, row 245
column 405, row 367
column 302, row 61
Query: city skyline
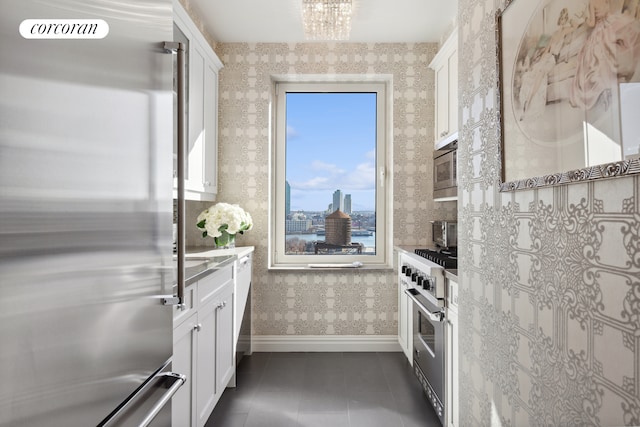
column 331, row 139
column 345, row 203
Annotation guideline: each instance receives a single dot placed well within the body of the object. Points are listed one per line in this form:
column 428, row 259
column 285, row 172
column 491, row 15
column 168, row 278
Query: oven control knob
column 404, row 269
column 428, row 283
column 420, row 281
column 407, row 272
column 414, row 276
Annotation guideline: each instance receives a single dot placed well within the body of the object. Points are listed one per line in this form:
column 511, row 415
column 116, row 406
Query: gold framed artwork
column 569, row 90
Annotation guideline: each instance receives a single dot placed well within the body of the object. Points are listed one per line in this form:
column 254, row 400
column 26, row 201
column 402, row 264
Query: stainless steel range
column 425, row 285
column 447, row 258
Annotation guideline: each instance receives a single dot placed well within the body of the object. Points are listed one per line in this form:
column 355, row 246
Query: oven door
column 428, row 348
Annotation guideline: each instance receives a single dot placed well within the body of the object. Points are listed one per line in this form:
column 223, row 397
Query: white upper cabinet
column 202, row 67
column 445, row 65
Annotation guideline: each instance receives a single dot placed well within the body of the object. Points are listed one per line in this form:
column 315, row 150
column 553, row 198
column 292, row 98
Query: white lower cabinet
column 405, row 319
column 243, row 271
column 203, row 349
column 451, row 364
column 184, row 351
column 225, row 353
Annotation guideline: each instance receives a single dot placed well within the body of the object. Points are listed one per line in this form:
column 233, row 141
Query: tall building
column 347, row 204
column 338, row 203
column 287, row 199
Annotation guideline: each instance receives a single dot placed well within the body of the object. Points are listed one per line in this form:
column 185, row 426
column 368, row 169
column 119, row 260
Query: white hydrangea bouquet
column 223, row 221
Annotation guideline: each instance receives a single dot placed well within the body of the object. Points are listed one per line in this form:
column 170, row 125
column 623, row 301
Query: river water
column 367, row 241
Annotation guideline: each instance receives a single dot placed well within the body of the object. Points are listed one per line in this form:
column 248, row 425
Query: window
column 330, row 181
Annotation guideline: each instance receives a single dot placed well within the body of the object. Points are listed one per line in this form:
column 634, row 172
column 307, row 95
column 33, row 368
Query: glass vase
column 225, row 241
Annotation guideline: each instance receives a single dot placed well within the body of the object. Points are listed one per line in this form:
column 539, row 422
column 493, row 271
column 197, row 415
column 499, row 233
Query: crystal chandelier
column 326, row 19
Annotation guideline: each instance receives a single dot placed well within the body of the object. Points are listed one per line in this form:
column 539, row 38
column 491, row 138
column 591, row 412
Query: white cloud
column 292, row 132
column 362, row 178
column 318, row 165
column 332, row 177
column 316, row 183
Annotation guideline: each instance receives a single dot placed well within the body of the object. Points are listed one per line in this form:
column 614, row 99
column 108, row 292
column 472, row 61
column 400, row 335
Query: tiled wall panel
column 550, row 278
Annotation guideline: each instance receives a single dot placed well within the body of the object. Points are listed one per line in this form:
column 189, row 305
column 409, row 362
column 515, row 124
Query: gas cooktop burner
column 446, row 258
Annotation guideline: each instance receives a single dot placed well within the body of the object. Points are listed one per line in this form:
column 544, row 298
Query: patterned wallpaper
column 324, row 303
column 549, row 278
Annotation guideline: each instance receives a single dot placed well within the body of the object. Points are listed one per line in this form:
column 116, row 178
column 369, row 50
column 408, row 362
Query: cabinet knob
column 222, row 305
column 198, row 327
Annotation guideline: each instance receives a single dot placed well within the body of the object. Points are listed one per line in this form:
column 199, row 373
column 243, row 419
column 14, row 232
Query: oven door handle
column 437, row 316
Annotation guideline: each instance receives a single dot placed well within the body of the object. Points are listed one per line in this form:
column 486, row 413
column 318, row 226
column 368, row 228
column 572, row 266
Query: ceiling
column 274, row 21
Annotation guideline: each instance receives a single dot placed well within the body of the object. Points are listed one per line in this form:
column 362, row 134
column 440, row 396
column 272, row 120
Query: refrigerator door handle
column 178, row 381
column 171, row 300
column 179, row 48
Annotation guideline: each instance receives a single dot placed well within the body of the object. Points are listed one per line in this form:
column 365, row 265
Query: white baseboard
column 325, row 343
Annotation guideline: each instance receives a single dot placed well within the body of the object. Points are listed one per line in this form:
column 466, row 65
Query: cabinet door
column 225, row 361
column 201, row 181
column 210, row 147
column 243, row 284
column 405, row 323
column 442, row 101
column 452, row 79
column 183, row 362
column 206, row 362
column 193, row 177
column 445, row 66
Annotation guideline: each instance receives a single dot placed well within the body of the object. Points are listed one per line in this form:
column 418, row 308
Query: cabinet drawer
column 189, row 303
column 244, row 264
column 208, row 285
column 452, row 295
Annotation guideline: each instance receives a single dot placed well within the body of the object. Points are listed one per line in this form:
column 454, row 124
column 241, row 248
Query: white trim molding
column 380, row 109
column 325, row 343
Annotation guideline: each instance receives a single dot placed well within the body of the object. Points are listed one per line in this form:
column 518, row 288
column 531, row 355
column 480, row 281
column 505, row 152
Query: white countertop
column 207, row 260
column 203, row 252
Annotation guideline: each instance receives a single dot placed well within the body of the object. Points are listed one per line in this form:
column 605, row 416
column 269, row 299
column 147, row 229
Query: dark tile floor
column 324, row 390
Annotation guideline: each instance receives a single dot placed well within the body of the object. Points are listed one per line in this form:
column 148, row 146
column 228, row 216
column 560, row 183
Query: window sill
column 328, row 267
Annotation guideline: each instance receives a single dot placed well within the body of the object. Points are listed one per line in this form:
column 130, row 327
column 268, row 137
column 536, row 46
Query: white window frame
column 382, row 85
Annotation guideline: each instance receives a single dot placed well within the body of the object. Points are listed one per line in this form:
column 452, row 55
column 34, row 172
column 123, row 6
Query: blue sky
column 331, row 146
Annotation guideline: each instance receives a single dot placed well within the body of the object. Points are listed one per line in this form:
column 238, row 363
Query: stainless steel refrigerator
column 86, row 135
